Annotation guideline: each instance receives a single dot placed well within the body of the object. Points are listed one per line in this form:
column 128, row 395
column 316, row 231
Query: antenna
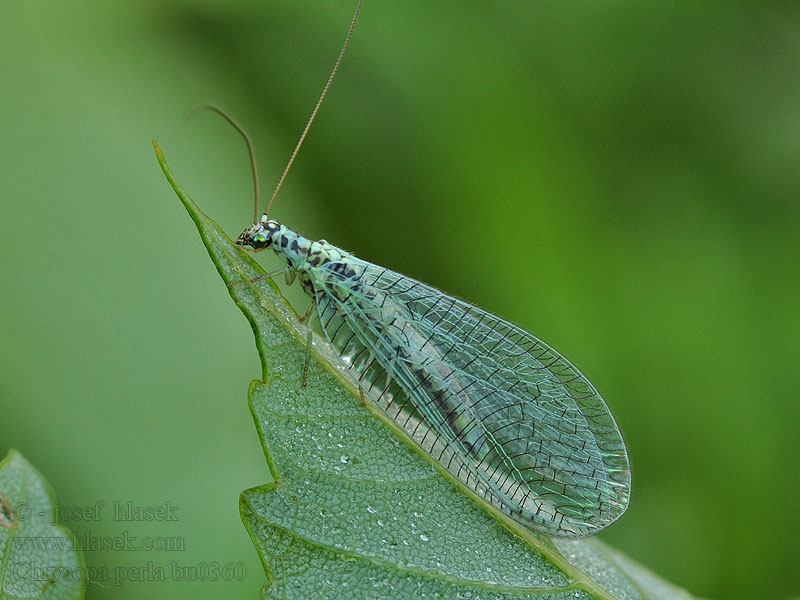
column 313, row 112
column 247, row 140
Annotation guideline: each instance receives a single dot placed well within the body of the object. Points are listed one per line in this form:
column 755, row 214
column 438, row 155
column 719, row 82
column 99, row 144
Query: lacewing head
column 259, row 236
column 254, row 237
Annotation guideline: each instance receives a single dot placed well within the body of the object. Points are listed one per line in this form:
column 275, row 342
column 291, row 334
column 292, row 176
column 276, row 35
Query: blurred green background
column 620, row 178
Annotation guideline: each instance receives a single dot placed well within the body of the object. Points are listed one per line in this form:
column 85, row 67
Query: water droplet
column 371, row 509
column 424, row 537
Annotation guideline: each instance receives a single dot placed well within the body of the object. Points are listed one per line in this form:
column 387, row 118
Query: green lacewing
column 502, row 412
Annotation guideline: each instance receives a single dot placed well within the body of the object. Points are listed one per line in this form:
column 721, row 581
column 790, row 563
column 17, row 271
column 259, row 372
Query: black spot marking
column 468, row 446
column 439, row 399
column 295, row 246
column 343, row 269
column 6, row 513
column 426, row 382
column 284, row 242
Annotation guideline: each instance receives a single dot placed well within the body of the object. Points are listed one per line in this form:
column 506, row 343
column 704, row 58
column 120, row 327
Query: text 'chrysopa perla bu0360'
column 503, row 413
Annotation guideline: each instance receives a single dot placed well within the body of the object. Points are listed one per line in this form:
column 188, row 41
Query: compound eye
column 260, row 240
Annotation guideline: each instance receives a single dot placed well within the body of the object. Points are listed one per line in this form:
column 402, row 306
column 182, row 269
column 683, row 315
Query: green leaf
column 355, row 510
column 38, row 557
